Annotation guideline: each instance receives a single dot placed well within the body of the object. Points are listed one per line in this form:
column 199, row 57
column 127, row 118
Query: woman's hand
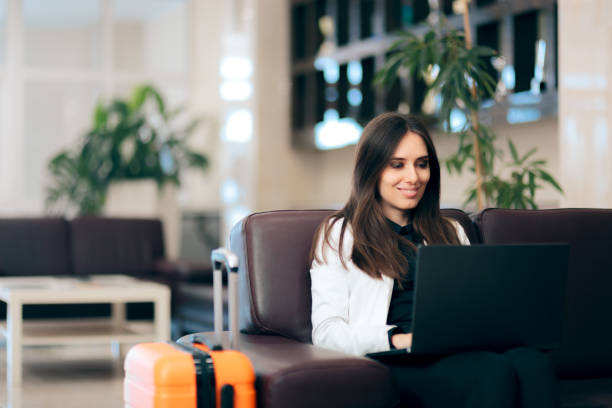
column 401, row 340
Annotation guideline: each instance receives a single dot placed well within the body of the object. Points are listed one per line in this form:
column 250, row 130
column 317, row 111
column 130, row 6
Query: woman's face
column 403, row 181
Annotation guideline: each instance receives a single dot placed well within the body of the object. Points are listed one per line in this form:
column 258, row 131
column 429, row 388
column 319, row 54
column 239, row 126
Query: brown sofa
column 94, row 245
column 275, row 301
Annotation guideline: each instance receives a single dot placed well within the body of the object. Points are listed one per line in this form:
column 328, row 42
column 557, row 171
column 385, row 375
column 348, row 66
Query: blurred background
column 281, row 90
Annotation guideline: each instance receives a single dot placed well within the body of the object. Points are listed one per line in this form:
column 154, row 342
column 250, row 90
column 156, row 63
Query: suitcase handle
column 223, row 258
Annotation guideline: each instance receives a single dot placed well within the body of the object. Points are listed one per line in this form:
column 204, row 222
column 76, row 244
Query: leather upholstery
column 465, row 221
column 274, row 280
column 586, row 348
column 275, row 302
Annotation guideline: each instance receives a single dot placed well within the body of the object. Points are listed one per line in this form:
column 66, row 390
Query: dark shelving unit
column 525, row 37
column 488, row 35
column 363, row 31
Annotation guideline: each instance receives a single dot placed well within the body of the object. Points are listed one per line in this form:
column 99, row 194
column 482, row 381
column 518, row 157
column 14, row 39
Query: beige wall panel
column 585, row 102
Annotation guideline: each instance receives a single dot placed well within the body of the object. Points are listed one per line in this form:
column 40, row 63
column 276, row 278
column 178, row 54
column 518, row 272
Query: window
column 75, row 53
column 150, row 37
column 63, row 34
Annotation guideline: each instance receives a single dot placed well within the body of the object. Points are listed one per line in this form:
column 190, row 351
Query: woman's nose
column 410, row 174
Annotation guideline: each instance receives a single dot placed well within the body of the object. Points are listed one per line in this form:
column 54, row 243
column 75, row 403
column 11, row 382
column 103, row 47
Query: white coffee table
column 114, row 289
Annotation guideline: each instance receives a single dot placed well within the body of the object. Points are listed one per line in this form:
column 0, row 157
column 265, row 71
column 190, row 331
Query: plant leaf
column 549, row 179
column 513, row 151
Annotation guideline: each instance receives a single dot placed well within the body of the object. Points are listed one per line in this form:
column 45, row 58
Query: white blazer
column 349, row 308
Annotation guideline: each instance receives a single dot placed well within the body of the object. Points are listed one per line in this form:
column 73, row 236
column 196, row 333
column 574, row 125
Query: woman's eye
column 397, row 165
column 423, row 164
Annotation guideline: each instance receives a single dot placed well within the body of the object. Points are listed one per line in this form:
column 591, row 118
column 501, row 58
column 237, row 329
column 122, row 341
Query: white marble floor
column 66, row 377
column 89, row 377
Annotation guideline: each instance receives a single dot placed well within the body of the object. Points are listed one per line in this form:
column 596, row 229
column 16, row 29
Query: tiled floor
column 89, row 377
column 64, row 377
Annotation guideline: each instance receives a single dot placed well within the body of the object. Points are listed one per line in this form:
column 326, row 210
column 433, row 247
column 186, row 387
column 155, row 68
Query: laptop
column 486, row 297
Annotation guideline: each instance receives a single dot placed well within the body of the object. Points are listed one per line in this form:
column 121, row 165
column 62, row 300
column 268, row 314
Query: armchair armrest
column 294, row 374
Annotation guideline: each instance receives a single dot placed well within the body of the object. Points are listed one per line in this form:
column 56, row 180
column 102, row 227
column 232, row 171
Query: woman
column 362, row 277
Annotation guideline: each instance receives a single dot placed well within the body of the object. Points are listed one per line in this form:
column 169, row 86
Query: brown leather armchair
column 275, row 302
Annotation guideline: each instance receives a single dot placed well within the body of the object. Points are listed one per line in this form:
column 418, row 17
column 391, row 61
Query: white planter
column 142, row 199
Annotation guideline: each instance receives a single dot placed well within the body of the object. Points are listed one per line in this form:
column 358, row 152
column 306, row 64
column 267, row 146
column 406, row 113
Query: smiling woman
column 363, row 277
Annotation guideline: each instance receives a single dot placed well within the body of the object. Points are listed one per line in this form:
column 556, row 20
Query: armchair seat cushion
column 299, row 375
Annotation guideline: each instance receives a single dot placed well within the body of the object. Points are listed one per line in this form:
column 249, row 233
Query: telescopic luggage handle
column 223, row 258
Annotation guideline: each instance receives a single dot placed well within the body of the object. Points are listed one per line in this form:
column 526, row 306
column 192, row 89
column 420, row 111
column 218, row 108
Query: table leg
column 162, row 316
column 118, row 317
column 118, row 314
column 14, row 322
column 116, row 351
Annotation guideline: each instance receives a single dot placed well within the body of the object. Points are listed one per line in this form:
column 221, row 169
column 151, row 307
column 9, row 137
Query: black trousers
column 520, row 377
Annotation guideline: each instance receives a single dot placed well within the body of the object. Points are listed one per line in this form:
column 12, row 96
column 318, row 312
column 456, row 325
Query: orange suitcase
column 192, row 375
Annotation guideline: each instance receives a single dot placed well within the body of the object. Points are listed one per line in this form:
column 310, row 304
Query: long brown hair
column 376, row 249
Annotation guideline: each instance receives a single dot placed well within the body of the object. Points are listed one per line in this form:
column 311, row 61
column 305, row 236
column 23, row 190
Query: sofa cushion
column 116, row 245
column 587, row 331
column 34, row 246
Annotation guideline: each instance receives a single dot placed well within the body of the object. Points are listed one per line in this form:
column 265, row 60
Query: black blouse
column 400, row 309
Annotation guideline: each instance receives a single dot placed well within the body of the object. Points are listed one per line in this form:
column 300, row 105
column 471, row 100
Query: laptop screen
column 488, row 297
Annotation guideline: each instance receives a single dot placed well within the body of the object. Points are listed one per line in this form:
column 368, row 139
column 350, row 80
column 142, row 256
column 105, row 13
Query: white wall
column 206, row 22
column 585, row 102
column 542, row 135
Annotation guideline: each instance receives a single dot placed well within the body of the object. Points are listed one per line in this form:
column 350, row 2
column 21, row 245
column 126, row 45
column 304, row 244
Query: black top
column 400, row 309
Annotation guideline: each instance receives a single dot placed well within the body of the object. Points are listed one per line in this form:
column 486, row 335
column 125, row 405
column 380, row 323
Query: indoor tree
column 456, row 71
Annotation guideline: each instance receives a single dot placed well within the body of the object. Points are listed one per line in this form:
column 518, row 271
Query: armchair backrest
column 274, row 279
column 274, row 282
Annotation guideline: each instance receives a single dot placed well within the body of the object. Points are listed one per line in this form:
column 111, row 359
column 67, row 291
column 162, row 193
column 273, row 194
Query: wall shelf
column 362, row 32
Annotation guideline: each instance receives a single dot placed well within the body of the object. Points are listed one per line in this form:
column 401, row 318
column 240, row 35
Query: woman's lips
column 409, row 192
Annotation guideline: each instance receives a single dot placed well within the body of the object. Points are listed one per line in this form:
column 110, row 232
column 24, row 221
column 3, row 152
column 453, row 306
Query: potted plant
column 134, row 139
column 128, row 164
column 453, row 69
